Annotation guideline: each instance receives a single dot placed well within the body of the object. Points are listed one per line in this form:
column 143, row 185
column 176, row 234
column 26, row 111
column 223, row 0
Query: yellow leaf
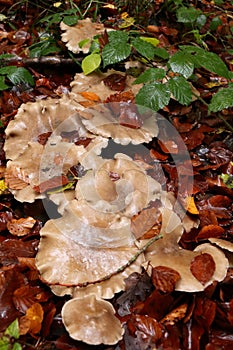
column 3, row 186
column 191, row 206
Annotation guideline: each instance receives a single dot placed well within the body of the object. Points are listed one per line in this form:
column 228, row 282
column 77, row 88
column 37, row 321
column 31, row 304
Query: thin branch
column 107, row 277
column 47, row 60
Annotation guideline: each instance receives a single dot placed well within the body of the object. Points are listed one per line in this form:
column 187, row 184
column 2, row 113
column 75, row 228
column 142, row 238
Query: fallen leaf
column 144, row 222
column 115, row 81
column 210, row 231
column 164, row 278
column 90, row 96
column 20, row 227
column 175, row 315
column 32, row 321
column 54, row 182
column 203, row 267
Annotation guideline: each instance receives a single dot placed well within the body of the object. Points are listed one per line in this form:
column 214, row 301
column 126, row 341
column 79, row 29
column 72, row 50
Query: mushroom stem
column 107, row 277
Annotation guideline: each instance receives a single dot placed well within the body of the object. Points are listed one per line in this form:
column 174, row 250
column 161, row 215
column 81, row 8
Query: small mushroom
column 84, row 29
column 167, row 252
column 92, row 320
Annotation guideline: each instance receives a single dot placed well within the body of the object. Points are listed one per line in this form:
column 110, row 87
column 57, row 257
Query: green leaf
column 208, row 60
column 161, row 52
column 8, row 70
column 222, row 99
column 154, row 96
column 83, row 42
column 216, row 21
column 4, row 343
column 13, row 329
column 144, row 48
column 187, row 14
column 3, row 86
column 115, row 52
column 181, row 90
column 117, row 36
column 228, row 180
column 6, row 55
column 90, row 63
column 70, row 20
column 182, row 63
column 17, row 346
column 152, row 41
column 149, row 75
column 21, row 75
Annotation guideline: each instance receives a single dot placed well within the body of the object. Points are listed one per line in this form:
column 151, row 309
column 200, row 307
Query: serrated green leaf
column 161, row 52
column 154, row 96
column 70, row 20
column 149, row 75
column 181, row 90
column 117, row 36
column 90, row 63
column 115, row 52
column 3, row 85
column 152, row 41
column 222, row 99
column 8, row 70
column 182, row 63
column 13, row 329
column 208, row 60
column 17, row 346
column 187, row 14
column 21, row 75
column 144, row 48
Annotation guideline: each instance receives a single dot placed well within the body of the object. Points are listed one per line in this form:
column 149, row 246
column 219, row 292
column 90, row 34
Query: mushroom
column 167, row 252
column 83, row 30
column 96, row 324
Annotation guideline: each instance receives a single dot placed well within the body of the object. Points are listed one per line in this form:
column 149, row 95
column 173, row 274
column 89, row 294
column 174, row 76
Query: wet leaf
column 90, row 63
column 32, row 321
column 115, row 52
column 150, row 75
column 182, row 63
column 154, row 96
column 181, row 90
column 203, row 267
column 115, row 81
column 164, row 278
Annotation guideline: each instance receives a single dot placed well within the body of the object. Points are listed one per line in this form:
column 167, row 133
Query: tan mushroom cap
column 92, row 321
column 99, row 120
column 84, row 29
column 80, row 263
column 167, row 252
column 128, row 194
column 36, row 118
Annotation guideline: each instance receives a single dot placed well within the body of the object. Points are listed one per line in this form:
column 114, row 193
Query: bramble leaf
column 150, row 74
column 115, row 52
column 21, row 75
column 90, row 63
column 144, row 48
column 3, row 86
column 161, row 52
column 118, row 36
column 182, row 63
column 13, row 329
column 187, row 14
column 154, row 95
column 181, row 90
column 222, row 99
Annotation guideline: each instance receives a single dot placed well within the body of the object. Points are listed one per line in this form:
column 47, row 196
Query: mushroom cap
column 36, row 118
column 82, row 263
column 92, row 320
column 84, row 29
column 167, row 252
column 129, row 193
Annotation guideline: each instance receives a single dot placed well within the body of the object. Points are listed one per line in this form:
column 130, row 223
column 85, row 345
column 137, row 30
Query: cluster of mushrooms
column 82, row 251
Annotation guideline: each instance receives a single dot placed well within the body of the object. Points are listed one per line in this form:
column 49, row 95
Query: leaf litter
column 150, row 307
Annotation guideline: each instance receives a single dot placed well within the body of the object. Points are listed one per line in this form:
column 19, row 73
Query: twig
column 47, row 60
column 121, row 269
column 225, row 122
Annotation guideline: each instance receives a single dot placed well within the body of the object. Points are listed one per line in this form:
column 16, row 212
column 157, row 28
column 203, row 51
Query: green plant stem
column 225, row 122
column 107, row 277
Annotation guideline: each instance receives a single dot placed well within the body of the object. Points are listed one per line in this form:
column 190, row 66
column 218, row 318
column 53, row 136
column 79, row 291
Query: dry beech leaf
column 210, row 231
column 54, row 182
column 191, row 206
column 144, row 222
column 115, row 81
column 20, row 227
column 32, row 321
column 175, row 315
column 164, row 278
column 203, row 267
column 90, row 96
column 16, row 178
column 149, row 328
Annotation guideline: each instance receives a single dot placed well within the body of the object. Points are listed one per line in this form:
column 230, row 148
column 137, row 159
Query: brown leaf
column 203, row 267
column 164, row 278
column 149, row 328
column 148, row 221
column 175, row 315
column 43, row 138
column 24, row 297
column 115, row 81
column 54, row 182
column 210, row 231
column 20, row 227
column 16, row 178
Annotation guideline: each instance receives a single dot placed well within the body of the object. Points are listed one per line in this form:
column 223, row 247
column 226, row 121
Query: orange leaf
column 164, row 278
column 190, row 206
column 32, row 321
column 203, row 267
column 20, row 227
column 90, row 96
